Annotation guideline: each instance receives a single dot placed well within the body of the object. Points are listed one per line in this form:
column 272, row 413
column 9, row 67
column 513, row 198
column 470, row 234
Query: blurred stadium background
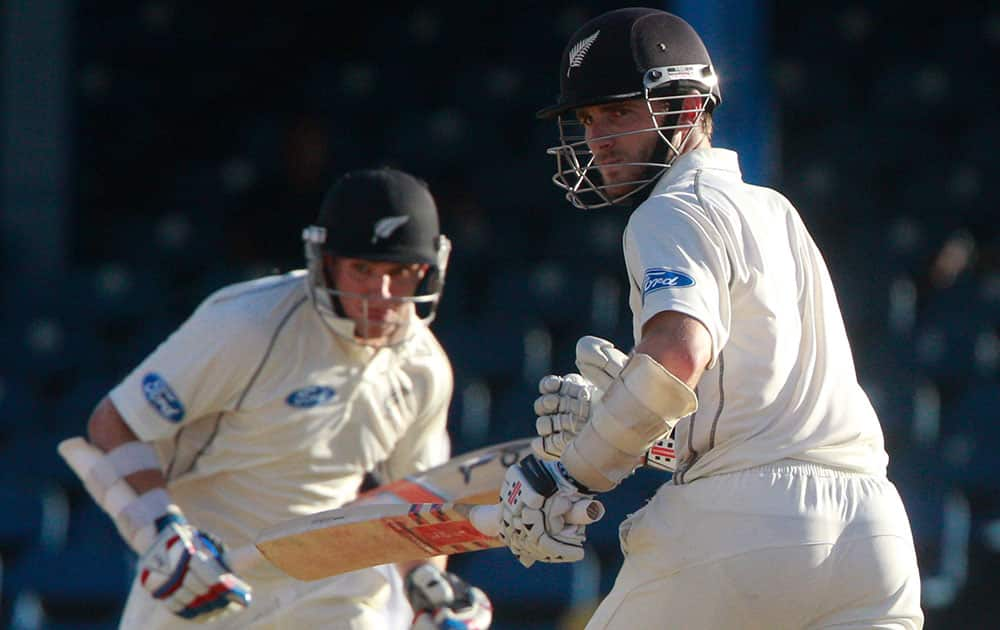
column 154, row 150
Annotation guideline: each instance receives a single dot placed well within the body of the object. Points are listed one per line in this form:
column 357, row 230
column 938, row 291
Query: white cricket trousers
column 789, row 546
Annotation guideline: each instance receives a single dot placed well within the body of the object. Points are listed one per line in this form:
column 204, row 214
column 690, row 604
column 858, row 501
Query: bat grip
column 486, row 518
column 242, row 558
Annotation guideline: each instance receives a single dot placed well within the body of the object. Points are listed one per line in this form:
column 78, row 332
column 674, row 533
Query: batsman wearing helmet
column 779, row 513
column 272, row 401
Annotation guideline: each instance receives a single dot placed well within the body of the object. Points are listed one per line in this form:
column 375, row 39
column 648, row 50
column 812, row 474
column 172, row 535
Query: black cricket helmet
column 621, row 55
column 381, row 215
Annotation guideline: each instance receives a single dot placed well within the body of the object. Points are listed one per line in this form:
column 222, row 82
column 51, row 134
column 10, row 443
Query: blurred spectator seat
column 69, row 413
column 82, row 586
column 469, row 414
column 970, row 450
column 508, row 345
column 19, row 411
column 39, row 345
column 36, row 517
column 940, row 520
column 34, row 454
column 513, row 415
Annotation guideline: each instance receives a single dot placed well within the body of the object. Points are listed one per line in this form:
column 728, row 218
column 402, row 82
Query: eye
column 361, row 267
column 405, row 272
column 585, row 119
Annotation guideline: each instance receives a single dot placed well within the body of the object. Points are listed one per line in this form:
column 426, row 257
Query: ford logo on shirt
column 310, row 396
column 662, row 278
column 162, row 397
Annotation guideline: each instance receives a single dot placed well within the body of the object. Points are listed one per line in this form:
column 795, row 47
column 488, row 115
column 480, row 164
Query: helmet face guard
column 328, row 299
column 621, row 55
column 579, row 175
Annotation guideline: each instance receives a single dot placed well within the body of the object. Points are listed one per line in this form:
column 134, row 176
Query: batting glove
column 444, row 601
column 187, row 571
column 536, row 501
column 562, row 409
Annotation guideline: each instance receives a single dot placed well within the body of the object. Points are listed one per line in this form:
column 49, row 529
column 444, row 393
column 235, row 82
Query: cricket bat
column 359, row 536
column 474, row 477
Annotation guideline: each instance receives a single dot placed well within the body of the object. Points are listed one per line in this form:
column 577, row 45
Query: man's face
column 613, row 152
column 371, row 291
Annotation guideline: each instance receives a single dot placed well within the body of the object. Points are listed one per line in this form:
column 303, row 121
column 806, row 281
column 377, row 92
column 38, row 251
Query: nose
column 598, row 137
column 385, row 288
column 379, row 286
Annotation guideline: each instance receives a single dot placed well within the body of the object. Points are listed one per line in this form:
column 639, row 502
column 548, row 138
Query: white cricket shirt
column 260, row 413
column 781, row 382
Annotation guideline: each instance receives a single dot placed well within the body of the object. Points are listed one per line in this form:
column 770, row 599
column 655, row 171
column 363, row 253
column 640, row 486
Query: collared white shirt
column 781, row 383
column 260, row 413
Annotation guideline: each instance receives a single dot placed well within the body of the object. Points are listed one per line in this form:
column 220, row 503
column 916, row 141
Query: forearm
column 641, row 402
column 107, row 430
column 679, row 343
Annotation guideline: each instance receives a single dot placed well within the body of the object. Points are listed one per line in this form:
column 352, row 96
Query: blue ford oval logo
column 662, row 278
column 310, row 396
column 162, row 397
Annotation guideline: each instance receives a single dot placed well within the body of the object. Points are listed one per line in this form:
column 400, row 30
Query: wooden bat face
column 359, row 536
column 400, row 521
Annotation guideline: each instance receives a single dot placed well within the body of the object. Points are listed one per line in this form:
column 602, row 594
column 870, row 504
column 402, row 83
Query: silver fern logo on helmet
column 385, row 227
column 579, row 51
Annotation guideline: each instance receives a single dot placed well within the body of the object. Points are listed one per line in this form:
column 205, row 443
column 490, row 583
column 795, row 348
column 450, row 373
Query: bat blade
column 473, row 477
column 351, row 538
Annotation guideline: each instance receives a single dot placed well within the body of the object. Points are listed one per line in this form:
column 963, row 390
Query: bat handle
column 486, row 518
column 242, row 558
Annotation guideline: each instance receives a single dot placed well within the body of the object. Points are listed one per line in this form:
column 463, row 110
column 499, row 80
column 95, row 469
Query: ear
column 329, row 268
column 690, row 106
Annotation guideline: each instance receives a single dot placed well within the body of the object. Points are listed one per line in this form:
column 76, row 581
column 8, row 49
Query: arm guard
column 642, row 404
column 103, row 476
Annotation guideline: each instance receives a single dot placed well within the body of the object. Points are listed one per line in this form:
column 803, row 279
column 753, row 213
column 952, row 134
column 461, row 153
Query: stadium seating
column 196, row 164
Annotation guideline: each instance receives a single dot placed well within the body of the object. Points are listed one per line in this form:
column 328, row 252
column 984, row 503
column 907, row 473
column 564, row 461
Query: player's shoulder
column 422, row 352
column 423, row 344
column 255, row 303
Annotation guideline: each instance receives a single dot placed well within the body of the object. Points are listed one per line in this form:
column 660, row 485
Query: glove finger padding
column 599, row 361
column 186, row 570
column 562, row 408
column 536, row 502
column 547, row 425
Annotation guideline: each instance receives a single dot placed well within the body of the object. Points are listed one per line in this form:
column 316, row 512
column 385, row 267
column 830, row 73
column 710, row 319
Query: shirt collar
column 713, row 158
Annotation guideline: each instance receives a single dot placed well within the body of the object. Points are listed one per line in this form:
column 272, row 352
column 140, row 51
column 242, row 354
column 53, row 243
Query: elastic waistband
column 807, row 468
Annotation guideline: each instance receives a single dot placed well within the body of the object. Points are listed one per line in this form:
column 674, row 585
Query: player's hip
column 782, row 504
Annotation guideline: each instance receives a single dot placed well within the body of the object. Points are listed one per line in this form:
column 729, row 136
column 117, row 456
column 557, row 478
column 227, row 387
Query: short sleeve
column 677, row 261
column 200, row 369
column 426, row 442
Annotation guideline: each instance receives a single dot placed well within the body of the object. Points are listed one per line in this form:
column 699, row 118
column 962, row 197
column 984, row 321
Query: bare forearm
column 107, row 430
column 679, row 343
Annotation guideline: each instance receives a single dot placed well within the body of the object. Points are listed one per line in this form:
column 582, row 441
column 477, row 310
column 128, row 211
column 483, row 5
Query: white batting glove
column 536, row 499
column 599, row 361
column 187, row 571
column 562, row 409
column 443, row 601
